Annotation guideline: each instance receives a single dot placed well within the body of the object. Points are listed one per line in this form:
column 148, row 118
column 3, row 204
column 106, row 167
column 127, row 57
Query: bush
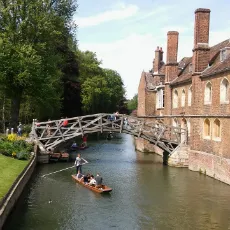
column 6, row 148
column 18, row 148
column 23, row 155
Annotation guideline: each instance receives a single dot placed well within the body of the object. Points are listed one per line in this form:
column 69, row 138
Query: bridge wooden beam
column 165, row 136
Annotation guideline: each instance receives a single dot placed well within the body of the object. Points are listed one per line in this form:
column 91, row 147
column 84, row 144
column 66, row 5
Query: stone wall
column 211, row 165
column 143, row 145
column 8, row 202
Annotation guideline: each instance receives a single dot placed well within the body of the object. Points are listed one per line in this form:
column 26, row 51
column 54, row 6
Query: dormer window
column 224, row 53
column 190, row 68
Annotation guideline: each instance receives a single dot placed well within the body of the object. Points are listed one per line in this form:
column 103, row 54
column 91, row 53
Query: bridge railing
column 52, row 133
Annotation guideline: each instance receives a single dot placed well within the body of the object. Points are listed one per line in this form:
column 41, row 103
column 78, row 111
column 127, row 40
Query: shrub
column 18, row 148
column 26, row 129
column 6, row 148
column 23, row 155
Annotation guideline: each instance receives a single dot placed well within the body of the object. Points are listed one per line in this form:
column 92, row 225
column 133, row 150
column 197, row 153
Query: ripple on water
column 146, row 195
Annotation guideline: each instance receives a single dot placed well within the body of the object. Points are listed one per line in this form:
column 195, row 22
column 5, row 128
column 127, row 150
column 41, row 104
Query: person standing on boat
column 79, row 162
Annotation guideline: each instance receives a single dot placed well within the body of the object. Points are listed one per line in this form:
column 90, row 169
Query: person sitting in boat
column 110, row 136
column 86, row 178
column 74, row 145
column 98, row 179
column 79, row 175
column 92, row 181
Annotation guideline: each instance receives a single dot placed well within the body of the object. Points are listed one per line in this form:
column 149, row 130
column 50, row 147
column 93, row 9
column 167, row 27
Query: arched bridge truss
column 52, row 133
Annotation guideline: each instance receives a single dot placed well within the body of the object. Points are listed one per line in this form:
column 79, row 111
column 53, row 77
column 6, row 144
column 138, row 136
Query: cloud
column 121, row 11
column 160, row 11
column 133, row 54
column 128, row 56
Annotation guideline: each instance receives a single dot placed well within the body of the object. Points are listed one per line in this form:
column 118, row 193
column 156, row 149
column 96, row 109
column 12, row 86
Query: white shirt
column 92, row 181
column 78, row 161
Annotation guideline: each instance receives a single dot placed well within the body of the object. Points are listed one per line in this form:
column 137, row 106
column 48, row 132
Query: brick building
column 192, row 93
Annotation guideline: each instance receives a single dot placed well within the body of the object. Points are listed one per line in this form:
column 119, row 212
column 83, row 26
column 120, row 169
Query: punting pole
column 62, row 170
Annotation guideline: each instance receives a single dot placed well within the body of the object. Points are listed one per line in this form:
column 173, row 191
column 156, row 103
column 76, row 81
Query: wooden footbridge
column 52, row 133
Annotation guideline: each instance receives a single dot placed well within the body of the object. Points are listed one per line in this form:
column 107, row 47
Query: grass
column 10, row 169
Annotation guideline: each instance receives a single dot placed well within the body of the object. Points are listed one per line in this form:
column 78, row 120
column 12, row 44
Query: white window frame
column 223, row 54
column 213, row 126
column 208, row 94
column 160, row 98
column 210, row 127
column 225, row 88
column 183, row 98
column 175, row 99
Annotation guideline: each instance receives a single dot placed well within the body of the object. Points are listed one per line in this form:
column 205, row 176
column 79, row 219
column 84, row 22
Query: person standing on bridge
column 84, row 141
column 79, row 162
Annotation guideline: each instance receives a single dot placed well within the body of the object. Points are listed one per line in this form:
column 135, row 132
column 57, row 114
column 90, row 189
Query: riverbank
column 18, row 172
column 10, row 169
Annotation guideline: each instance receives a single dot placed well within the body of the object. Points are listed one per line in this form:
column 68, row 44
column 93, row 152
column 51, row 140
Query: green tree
column 132, row 103
column 31, row 34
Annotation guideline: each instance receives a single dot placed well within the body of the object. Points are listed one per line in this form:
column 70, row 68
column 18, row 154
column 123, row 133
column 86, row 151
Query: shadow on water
column 165, row 157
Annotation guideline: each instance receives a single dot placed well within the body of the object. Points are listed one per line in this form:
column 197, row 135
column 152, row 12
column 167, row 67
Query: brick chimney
column 171, row 62
column 171, row 69
column 158, row 59
column 201, row 50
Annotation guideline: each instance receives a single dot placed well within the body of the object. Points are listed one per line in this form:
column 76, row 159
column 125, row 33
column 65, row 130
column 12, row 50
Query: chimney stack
column 201, row 50
column 171, row 62
column 158, row 59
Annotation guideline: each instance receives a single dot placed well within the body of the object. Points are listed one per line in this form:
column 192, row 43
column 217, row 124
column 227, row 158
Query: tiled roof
column 182, row 79
column 216, row 48
column 183, row 67
column 217, row 67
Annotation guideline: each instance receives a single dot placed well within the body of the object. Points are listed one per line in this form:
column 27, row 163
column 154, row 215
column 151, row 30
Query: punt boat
column 104, row 189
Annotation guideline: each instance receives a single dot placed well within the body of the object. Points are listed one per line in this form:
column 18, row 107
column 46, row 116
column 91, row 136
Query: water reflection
column 146, row 195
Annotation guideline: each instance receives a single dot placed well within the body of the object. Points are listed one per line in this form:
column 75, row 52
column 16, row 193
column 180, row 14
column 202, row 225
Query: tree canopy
column 43, row 74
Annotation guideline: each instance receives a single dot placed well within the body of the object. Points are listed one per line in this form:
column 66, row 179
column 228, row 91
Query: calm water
column 146, row 195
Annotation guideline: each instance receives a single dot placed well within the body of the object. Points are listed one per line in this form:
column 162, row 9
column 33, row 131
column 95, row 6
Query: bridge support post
column 179, row 158
column 143, row 145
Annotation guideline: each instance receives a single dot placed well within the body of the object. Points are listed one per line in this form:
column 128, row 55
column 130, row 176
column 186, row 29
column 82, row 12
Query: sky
column 124, row 33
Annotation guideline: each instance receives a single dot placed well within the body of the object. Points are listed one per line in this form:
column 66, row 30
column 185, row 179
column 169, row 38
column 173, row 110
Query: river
column 146, row 194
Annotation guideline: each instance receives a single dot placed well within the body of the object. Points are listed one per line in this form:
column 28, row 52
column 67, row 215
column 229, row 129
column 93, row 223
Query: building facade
column 194, row 94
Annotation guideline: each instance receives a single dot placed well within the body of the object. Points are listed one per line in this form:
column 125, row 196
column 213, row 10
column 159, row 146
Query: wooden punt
column 104, row 189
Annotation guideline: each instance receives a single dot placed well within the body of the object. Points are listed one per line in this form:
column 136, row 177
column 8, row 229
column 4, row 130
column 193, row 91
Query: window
column 224, row 88
column 183, row 133
column 175, row 99
column 223, row 54
column 160, row 98
column 183, row 98
column 208, row 93
column 207, row 130
column 190, row 96
column 216, row 129
column 175, row 123
column 176, row 133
